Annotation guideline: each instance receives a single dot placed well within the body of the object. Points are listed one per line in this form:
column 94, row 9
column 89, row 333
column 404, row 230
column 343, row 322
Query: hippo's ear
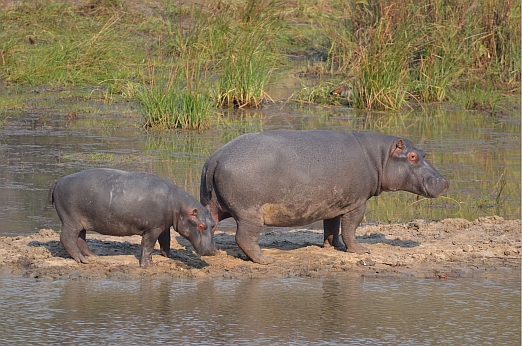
column 397, row 148
column 195, row 221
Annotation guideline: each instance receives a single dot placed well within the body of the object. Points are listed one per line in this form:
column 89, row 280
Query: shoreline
column 450, row 248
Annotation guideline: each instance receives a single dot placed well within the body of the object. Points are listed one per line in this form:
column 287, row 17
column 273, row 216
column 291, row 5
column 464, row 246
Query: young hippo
column 119, row 203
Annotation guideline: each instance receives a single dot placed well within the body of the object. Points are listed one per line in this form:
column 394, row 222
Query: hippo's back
column 292, row 142
column 98, row 182
column 98, row 197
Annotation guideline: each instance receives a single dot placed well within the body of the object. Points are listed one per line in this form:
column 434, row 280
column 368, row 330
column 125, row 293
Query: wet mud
column 445, row 249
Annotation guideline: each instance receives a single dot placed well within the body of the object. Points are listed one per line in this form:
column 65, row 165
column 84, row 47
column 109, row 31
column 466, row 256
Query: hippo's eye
column 413, row 157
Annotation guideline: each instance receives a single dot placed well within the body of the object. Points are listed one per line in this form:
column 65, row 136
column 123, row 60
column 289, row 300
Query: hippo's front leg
column 247, row 237
column 349, row 223
column 148, row 240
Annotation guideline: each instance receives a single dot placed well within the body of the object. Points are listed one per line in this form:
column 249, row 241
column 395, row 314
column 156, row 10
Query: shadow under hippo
column 106, row 248
column 278, row 239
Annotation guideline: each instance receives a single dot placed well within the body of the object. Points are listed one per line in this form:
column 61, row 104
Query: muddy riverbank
column 444, row 249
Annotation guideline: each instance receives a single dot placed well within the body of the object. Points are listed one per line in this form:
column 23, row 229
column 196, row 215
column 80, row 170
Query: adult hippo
column 119, row 203
column 292, row 178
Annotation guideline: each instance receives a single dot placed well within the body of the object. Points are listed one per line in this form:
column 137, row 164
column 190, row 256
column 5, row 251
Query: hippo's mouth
column 207, row 252
column 204, row 250
column 434, row 187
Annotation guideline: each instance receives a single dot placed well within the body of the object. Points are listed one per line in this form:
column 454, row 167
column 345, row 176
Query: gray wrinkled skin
column 119, row 203
column 293, row 178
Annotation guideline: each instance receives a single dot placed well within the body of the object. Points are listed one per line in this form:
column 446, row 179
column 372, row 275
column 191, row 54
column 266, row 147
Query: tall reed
column 181, row 102
column 394, row 52
column 178, row 96
column 246, row 64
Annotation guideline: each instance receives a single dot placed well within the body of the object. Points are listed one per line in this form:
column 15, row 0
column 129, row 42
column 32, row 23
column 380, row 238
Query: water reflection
column 332, row 311
column 479, row 154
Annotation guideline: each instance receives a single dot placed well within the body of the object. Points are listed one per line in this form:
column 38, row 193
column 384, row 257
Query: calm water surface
column 296, row 311
column 480, row 155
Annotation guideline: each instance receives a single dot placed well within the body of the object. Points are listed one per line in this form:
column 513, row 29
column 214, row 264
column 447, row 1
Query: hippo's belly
column 281, row 215
column 293, row 208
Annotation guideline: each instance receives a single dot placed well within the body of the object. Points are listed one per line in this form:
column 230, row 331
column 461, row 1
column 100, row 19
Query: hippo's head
column 407, row 170
column 196, row 224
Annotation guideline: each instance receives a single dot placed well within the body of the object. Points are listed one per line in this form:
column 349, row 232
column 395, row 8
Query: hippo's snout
column 207, row 251
column 205, row 247
column 436, row 186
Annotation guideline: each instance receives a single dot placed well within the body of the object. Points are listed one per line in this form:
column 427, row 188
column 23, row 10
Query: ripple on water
column 328, row 311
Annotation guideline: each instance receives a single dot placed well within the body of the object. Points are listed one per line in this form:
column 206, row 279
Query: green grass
column 3, row 119
column 62, row 45
column 476, row 98
column 246, row 63
column 397, row 52
column 170, row 107
column 391, row 52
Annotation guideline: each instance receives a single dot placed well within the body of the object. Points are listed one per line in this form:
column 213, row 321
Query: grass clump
column 397, row 52
column 219, row 58
column 177, row 96
column 61, row 45
column 179, row 103
column 170, row 108
column 247, row 60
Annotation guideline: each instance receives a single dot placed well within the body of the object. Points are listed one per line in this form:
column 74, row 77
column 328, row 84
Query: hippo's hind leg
column 247, row 237
column 82, row 244
column 349, row 223
column 164, row 241
column 331, row 232
column 69, row 238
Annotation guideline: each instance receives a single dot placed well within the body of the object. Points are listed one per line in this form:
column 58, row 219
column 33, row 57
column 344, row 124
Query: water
column 480, row 154
column 296, row 311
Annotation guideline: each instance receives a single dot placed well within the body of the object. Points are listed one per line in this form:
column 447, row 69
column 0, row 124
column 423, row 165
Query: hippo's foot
column 247, row 238
column 210, row 252
column 264, row 260
column 165, row 253
column 357, row 248
column 259, row 257
column 148, row 263
column 82, row 259
column 335, row 243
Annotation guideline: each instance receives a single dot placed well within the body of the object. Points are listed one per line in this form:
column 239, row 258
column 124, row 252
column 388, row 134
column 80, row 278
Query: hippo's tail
column 207, row 181
column 51, row 191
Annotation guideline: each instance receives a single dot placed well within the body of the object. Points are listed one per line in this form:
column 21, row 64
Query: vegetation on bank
column 179, row 61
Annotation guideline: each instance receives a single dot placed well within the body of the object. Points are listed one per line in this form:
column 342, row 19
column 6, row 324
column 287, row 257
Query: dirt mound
column 448, row 248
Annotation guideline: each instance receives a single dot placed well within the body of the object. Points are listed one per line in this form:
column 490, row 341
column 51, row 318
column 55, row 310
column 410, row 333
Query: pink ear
column 396, row 150
column 194, row 212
